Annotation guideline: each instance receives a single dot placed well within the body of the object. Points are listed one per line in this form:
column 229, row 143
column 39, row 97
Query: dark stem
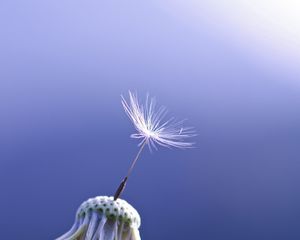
column 124, row 181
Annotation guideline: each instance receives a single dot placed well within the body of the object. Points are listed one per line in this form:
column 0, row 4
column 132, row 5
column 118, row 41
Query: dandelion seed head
column 103, row 217
column 151, row 126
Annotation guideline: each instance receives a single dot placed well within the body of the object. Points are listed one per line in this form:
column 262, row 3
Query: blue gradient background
column 64, row 136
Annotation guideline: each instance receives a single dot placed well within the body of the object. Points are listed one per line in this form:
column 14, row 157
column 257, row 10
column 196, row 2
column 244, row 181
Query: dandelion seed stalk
column 124, row 181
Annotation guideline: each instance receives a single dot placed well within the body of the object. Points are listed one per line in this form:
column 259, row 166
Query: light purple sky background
column 225, row 66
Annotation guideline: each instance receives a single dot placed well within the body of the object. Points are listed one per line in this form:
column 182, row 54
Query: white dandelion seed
column 152, row 129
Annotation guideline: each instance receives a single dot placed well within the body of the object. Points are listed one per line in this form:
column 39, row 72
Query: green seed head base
column 103, row 218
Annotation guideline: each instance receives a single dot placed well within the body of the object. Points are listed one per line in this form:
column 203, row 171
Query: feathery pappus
column 151, row 126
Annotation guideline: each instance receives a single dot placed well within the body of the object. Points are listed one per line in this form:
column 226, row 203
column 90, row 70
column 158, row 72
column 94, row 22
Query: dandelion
column 152, row 129
column 102, row 218
column 111, row 218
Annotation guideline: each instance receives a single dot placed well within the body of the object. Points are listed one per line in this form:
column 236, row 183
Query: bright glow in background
column 269, row 29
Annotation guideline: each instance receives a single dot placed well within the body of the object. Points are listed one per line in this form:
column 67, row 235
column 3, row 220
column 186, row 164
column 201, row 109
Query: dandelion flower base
column 102, row 218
